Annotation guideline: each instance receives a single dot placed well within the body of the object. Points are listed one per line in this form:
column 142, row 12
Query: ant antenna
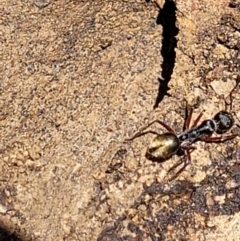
column 231, row 94
column 231, row 100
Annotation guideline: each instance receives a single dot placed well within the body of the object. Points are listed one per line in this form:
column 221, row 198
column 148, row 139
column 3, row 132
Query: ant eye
column 224, row 121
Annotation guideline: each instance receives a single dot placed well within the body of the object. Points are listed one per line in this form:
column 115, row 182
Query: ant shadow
column 167, row 18
column 195, row 201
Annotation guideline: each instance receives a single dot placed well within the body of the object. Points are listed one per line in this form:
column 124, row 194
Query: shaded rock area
column 78, row 78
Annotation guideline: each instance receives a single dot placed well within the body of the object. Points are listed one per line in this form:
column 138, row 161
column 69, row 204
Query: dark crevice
column 228, row 46
column 234, row 4
column 167, row 18
column 6, row 235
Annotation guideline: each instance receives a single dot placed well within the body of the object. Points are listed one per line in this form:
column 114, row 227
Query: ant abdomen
column 163, row 147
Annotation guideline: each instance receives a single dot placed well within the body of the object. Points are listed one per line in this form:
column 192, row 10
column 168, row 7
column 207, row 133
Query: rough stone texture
column 77, row 78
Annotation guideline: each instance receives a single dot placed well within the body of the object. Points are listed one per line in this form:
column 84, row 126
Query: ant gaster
column 165, row 145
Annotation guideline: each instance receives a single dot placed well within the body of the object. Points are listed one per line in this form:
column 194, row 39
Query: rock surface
column 77, row 78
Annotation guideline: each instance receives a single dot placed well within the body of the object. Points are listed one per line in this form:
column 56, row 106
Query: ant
column 165, row 145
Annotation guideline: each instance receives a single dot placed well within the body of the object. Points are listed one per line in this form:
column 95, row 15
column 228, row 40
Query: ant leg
column 178, row 163
column 188, row 117
column 198, row 119
column 186, row 159
column 167, row 127
column 140, row 133
column 219, row 138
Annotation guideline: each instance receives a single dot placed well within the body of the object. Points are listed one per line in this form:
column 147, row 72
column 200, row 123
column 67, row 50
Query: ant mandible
column 165, row 145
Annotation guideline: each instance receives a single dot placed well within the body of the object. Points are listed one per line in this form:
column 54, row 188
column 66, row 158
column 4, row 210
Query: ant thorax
column 206, row 128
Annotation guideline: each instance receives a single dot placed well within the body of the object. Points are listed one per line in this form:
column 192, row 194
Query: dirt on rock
column 78, row 78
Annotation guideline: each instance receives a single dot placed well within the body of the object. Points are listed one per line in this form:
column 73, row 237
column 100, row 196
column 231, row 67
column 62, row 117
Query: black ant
column 165, row 145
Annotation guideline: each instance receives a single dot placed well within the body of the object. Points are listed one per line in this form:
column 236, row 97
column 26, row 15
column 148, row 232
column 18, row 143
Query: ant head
column 224, row 121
